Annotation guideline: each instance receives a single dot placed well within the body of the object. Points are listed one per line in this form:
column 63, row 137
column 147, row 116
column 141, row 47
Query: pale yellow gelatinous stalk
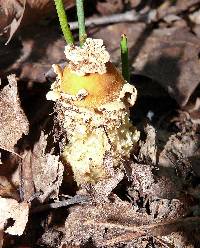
column 93, row 101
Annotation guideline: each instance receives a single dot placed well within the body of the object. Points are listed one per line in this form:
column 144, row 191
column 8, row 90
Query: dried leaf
column 104, row 187
column 51, row 238
column 134, row 3
column 142, row 180
column 115, row 222
column 28, row 186
column 84, row 222
column 7, row 188
column 11, row 209
column 177, row 151
column 167, row 209
column 133, row 32
column 47, row 170
column 109, row 7
column 16, row 12
column 170, row 57
column 148, row 150
column 13, row 122
column 13, row 26
column 44, row 48
column 153, row 186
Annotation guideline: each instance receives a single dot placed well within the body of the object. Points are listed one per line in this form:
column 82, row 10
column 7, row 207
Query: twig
column 124, row 58
column 81, row 21
column 63, row 21
column 74, row 200
column 128, row 16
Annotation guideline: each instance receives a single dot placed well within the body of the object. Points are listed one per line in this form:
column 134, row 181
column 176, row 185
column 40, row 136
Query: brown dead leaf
column 51, row 238
column 134, row 3
column 47, row 171
column 18, row 212
column 193, row 108
column 8, row 189
column 28, row 186
column 13, row 26
column 142, row 180
column 117, row 222
column 170, row 57
column 103, row 188
column 148, row 150
column 23, row 12
column 13, row 122
column 39, row 51
column 177, row 151
column 84, row 222
column 109, row 7
column 154, row 184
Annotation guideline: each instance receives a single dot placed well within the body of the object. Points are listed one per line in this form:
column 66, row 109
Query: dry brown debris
column 22, row 12
column 44, row 171
column 163, row 186
column 13, row 122
column 92, row 221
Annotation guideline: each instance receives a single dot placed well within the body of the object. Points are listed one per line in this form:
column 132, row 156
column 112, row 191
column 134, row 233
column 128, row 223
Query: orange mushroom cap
column 101, row 88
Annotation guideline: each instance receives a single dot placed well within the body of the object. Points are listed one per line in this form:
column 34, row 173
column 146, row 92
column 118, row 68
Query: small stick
column 63, row 21
column 81, row 21
column 124, row 58
column 129, row 16
column 77, row 199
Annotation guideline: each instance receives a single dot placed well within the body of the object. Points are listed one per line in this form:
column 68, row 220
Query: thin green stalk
column 63, row 21
column 81, row 21
column 124, row 58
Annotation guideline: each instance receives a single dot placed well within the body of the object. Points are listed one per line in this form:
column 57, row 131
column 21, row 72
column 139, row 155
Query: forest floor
column 155, row 201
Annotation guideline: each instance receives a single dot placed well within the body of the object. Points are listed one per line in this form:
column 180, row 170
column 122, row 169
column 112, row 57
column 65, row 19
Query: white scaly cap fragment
column 90, row 58
column 10, row 208
column 129, row 91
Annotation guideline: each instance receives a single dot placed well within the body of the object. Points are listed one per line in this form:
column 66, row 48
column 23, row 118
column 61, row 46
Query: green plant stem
column 81, row 21
column 63, row 21
column 124, row 58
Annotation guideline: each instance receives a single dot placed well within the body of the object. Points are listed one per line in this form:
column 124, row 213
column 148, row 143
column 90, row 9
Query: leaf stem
column 63, row 21
column 81, row 21
column 124, row 58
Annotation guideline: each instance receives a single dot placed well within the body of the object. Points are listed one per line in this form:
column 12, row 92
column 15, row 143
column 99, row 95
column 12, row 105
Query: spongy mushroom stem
column 93, row 101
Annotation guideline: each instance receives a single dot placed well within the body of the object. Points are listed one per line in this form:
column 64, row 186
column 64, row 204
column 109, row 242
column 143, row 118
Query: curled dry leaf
column 18, row 212
column 22, row 12
column 178, row 150
column 13, row 122
column 47, row 170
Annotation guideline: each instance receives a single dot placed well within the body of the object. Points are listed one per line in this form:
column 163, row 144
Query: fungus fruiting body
column 92, row 101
